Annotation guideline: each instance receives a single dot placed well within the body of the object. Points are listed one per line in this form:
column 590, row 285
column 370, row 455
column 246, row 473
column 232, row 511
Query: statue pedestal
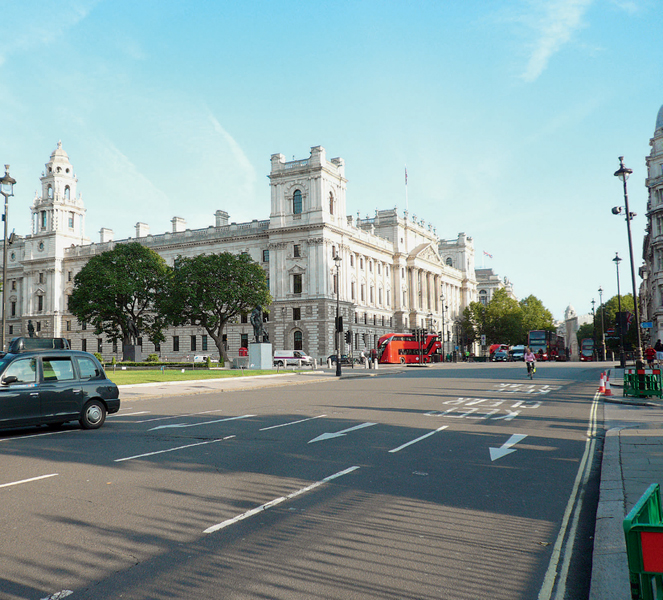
column 260, row 356
column 132, row 353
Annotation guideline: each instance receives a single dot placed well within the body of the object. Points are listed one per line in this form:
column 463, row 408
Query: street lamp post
column 623, row 174
column 337, row 328
column 603, row 355
column 7, row 190
column 622, row 360
column 593, row 328
column 444, row 354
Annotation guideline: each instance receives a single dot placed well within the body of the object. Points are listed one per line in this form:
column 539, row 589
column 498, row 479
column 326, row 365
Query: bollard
column 375, row 363
column 329, row 363
column 365, row 363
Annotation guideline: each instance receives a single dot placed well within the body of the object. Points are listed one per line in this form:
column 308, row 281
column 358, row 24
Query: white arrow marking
column 505, row 449
column 329, row 436
column 175, row 425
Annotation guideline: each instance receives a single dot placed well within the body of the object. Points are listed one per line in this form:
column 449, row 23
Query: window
column 69, row 275
column 296, row 314
column 370, row 266
column 352, row 290
column 68, row 325
column 84, row 345
column 71, row 220
column 203, row 343
column 449, row 262
column 372, row 294
column 83, row 325
column 43, row 219
column 297, row 284
column 87, row 368
column 139, row 342
column 244, row 319
column 483, row 297
column 265, row 256
column 115, row 347
column 356, row 318
column 331, row 203
column 298, row 341
column 352, row 260
column 365, row 318
column 157, row 348
column 356, row 341
column 11, row 330
column 244, row 341
column 67, row 194
column 380, row 296
column 297, row 202
column 363, row 292
column 57, row 369
column 41, row 278
column 333, row 251
column 361, row 262
column 50, row 191
column 176, row 343
column 14, row 284
column 13, row 309
column 40, row 303
column 193, row 343
column 100, row 345
column 297, row 250
column 378, row 268
column 24, row 369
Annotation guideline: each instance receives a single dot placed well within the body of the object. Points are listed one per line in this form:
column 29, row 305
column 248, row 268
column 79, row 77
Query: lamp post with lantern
column 337, row 328
column 7, row 190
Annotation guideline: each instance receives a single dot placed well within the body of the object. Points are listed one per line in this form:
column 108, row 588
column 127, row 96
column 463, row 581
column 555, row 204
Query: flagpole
column 407, row 204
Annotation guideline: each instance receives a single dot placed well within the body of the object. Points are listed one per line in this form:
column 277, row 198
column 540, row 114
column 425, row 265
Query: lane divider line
column 292, row 423
column 28, row 480
column 173, row 449
column 423, row 437
column 276, row 501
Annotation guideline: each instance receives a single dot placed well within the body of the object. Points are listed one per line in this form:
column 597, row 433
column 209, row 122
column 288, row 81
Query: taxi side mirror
column 10, row 379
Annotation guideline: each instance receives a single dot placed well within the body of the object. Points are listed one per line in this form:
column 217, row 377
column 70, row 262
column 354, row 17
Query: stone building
column 392, row 274
column 488, row 282
column 651, row 289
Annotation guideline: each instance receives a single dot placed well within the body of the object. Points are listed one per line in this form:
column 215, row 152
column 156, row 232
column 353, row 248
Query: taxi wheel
column 93, row 415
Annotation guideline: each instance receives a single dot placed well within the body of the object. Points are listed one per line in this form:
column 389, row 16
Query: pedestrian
column 650, row 355
column 658, row 346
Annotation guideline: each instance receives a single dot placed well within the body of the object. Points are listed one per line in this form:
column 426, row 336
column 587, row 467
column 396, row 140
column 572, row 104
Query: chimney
column 221, row 218
column 105, row 235
column 142, row 230
column 179, row 224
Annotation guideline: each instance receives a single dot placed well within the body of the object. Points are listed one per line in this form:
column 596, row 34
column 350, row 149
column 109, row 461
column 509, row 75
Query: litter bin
column 643, row 529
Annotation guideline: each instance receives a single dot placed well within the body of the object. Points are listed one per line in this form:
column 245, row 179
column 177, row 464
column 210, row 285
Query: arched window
column 50, row 191
column 297, row 340
column 483, row 297
column 450, row 262
column 67, row 191
column 331, row 203
column 297, row 202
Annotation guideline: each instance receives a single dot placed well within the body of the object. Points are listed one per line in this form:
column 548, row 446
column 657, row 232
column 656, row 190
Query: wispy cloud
column 30, row 24
column 554, row 24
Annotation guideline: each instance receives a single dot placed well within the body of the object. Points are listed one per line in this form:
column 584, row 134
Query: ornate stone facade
column 392, row 273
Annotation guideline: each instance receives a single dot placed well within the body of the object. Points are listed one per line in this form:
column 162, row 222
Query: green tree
column 209, row 290
column 535, row 315
column 585, row 331
column 120, row 291
column 503, row 320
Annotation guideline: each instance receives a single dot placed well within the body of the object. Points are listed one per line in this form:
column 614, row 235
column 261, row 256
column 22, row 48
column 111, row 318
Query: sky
column 510, row 116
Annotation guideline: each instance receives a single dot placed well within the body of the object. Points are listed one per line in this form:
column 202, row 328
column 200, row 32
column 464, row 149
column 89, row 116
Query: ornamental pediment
column 426, row 252
column 296, row 269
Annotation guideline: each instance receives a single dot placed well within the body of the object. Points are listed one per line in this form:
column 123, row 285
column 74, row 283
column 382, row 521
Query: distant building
column 573, row 322
column 488, row 283
column 651, row 289
column 393, row 272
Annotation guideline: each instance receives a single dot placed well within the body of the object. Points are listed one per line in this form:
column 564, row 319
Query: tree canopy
column 119, row 292
column 505, row 320
column 209, row 290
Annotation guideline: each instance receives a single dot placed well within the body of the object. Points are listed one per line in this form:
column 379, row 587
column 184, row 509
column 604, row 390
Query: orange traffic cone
column 608, row 391
column 602, row 384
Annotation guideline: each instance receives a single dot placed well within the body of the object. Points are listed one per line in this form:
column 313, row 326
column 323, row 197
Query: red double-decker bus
column 406, row 348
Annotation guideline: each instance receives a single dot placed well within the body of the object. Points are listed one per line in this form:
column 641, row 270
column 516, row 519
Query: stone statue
column 132, row 329
column 258, row 328
column 31, row 329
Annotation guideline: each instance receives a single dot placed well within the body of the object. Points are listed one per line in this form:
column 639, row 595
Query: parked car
column 517, row 353
column 284, row 358
column 53, row 387
column 500, row 356
column 345, row 359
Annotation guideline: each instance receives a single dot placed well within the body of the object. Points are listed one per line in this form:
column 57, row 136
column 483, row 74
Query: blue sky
column 510, row 116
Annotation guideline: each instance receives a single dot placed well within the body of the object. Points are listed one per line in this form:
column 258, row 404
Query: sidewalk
column 632, row 460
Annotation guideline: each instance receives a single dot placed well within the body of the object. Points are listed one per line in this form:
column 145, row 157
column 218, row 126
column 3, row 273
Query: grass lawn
column 120, row 377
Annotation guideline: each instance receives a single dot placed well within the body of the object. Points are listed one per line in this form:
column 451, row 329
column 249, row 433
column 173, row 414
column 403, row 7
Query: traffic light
column 348, row 336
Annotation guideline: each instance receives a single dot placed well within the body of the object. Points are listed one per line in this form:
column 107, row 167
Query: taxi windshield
column 4, row 361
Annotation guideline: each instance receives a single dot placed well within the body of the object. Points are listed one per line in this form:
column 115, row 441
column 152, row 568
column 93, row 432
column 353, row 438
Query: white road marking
column 173, row 449
column 205, row 412
column 506, row 448
column 276, row 501
column 423, row 437
column 292, row 423
column 574, row 506
column 28, row 480
column 25, row 437
column 329, row 436
column 123, row 414
column 59, row 595
column 183, row 425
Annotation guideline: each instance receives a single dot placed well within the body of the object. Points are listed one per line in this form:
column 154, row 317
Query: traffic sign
column 647, row 325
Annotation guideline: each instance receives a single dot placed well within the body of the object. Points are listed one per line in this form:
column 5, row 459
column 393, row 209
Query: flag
column 405, row 175
column 488, row 255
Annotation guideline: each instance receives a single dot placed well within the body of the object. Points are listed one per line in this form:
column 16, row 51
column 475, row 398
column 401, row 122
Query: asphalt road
column 458, row 482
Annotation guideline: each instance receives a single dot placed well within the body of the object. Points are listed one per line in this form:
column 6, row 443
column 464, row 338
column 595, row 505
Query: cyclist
column 530, row 359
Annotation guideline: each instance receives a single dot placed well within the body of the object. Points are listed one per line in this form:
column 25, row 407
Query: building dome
column 59, row 152
column 659, row 119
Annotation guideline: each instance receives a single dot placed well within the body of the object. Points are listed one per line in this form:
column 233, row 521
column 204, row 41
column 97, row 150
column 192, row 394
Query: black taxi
column 54, row 386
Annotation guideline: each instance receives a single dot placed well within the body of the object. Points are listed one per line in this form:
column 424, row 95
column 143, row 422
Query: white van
column 284, row 358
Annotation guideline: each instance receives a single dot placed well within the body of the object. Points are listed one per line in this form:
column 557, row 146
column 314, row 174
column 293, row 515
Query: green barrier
column 643, row 529
column 642, row 382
